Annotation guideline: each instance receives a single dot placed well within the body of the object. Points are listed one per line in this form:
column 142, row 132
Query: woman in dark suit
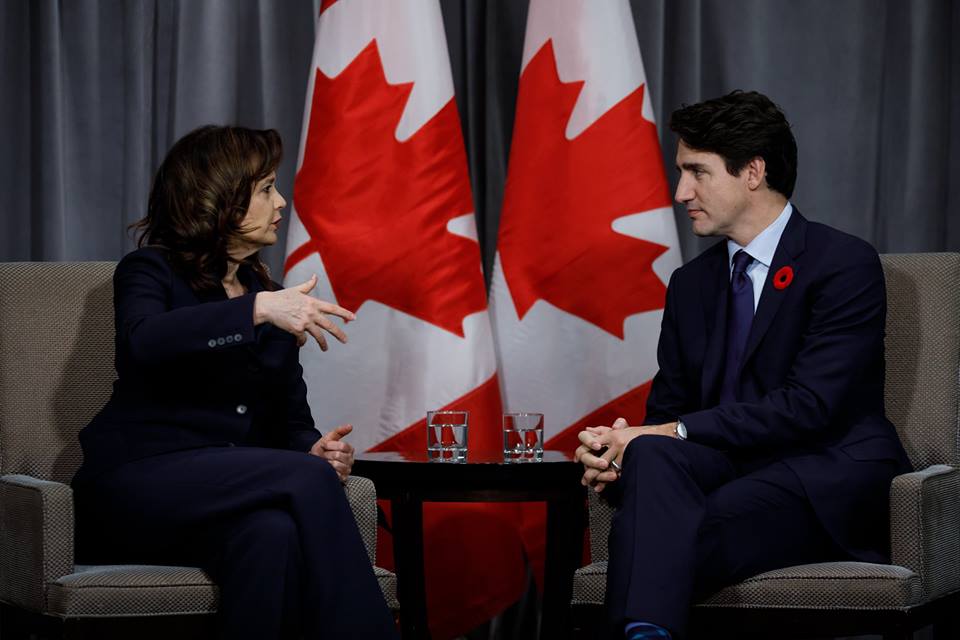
column 206, row 453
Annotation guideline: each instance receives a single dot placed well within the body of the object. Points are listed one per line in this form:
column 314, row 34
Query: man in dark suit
column 764, row 444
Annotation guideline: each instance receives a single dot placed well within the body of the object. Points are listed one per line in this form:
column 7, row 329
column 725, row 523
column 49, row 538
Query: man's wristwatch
column 680, row 431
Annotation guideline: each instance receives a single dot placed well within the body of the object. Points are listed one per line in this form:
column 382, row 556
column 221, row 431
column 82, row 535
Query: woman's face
column 262, row 219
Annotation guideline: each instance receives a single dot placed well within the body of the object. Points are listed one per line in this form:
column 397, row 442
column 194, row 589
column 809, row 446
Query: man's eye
column 267, row 188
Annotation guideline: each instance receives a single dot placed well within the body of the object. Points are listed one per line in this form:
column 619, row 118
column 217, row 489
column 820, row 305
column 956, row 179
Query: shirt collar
column 765, row 244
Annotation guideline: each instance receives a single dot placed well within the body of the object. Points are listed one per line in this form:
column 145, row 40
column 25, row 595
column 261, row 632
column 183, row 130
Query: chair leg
column 947, row 628
column 586, row 622
column 17, row 624
column 11, row 625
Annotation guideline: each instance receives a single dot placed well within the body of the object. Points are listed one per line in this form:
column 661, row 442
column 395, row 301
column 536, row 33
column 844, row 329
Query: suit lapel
column 713, row 293
column 791, row 245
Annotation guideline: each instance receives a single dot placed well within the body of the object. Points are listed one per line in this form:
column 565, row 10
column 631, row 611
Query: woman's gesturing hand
column 295, row 311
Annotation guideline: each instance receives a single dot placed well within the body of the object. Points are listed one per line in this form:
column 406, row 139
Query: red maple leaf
column 556, row 240
column 377, row 209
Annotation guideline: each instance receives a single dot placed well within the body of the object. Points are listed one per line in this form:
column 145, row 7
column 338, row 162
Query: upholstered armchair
column 56, row 371
column 921, row 585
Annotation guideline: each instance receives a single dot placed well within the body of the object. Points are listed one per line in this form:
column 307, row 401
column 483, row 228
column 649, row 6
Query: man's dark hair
column 739, row 127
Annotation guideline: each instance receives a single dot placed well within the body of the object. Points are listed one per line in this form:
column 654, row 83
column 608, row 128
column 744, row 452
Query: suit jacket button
column 237, row 337
column 229, row 339
column 211, row 343
column 221, row 341
column 241, row 409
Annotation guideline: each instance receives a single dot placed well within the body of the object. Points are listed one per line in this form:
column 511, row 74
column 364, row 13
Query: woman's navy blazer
column 194, row 371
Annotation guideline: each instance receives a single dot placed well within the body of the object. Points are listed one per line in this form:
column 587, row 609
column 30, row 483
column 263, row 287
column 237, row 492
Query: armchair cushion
column 36, row 538
column 132, row 590
column 828, row 585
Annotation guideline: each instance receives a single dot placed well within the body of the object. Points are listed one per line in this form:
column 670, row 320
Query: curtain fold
column 95, row 92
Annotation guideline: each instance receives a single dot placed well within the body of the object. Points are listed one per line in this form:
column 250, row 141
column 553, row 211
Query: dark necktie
column 739, row 319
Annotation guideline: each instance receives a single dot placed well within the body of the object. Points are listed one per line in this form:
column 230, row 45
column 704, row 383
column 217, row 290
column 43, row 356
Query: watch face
column 681, row 431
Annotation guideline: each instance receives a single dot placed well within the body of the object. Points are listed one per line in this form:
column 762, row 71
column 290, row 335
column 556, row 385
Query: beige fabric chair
column 922, row 584
column 56, row 371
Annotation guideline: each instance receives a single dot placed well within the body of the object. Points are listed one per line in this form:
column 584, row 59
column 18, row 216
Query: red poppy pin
column 783, row 277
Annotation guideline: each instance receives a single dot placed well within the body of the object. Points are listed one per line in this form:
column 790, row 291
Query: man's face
column 715, row 200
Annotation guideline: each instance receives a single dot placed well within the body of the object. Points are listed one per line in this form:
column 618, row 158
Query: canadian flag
column 587, row 236
column 383, row 214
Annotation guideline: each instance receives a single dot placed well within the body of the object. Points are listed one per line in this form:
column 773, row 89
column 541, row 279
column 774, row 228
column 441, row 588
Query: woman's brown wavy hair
column 200, row 196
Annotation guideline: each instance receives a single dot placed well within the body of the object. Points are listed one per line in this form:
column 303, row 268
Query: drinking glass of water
column 522, row 437
column 447, row 435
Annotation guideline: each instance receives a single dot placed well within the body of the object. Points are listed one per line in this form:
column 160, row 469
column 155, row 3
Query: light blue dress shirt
column 761, row 249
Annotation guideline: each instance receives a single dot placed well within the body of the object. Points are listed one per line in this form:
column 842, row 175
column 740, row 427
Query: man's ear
column 756, row 173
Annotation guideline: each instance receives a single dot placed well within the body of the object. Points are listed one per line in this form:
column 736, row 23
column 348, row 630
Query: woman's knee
column 314, row 480
column 273, row 527
column 322, row 473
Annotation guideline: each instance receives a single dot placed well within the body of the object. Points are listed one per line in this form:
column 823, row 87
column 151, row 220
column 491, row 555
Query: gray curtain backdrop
column 93, row 92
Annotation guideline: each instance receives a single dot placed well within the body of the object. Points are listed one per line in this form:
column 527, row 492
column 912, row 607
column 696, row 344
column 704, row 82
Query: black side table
column 410, row 480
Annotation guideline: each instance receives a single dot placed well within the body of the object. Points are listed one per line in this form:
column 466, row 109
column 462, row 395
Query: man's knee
column 649, row 452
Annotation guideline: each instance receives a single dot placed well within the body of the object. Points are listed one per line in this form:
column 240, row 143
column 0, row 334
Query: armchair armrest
column 924, row 521
column 601, row 519
column 36, row 538
column 362, row 497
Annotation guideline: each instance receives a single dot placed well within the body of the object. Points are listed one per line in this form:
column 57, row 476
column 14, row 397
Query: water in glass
column 522, row 437
column 447, row 435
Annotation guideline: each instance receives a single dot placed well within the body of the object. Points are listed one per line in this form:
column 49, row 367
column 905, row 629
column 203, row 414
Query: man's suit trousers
column 273, row 528
column 690, row 522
